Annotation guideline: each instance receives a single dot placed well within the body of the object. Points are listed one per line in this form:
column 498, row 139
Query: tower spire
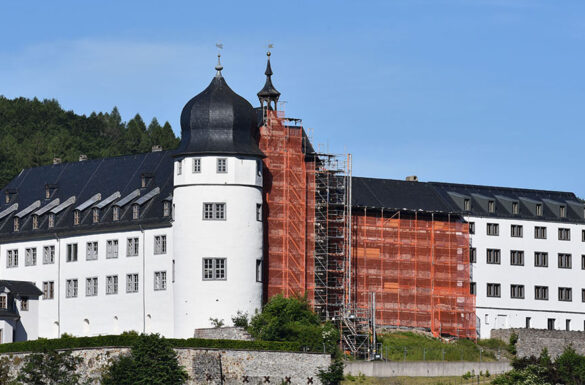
column 268, row 94
column 218, row 66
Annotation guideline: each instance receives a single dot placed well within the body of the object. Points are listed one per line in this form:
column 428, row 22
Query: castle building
column 246, row 208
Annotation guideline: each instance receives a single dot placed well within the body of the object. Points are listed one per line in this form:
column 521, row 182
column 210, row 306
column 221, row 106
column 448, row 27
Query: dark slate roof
column 81, row 181
column 21, row 288
column 268, row 91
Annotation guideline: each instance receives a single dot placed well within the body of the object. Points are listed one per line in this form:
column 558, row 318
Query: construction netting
column 419, row 268
column 289, row 209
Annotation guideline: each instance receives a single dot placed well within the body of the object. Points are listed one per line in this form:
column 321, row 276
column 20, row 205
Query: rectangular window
column 214, row 211
column 214, row 269
column 51, row 220
column 564, row 234
column 539, row 209
column 132, row 283
column 48, row 289
column 135, row 211
column 30, row 256
column 493, row 256
column 467, row 204
column 493, row 290
column 527, row 325
column 16, row 224
column 568, row 325
column 112, row 284
column 160, row 280
column 24, row 304
column 258, row 270
column 473, row 288
column 565, row 294
column 35, row 222
column 48, row 255
column 540, row 259
column 259, row 212
column 72, row 252
column 96, row 215
column 515, row 208
column 565, row 261
column 196, row 165
column 491, row 207
column 71, row 288
column 493, row 229
column 112, row 248
column 132, row 247
column 12, row 258
column 92, row 251
column 221, row 165
column 516, row 231
column 116, row 213
column 582, row 235
column 76, row 216
column 472, row 255
column 517, row 291
column 550, row 324
column 166, row 208
column 516, row 257
column 563, row 211
column 3, row 301
column 539, row 232
column 160, row 244
column 91, row 287
column 179, row 167
column 541, row 293
column 471, row 227
column 582, row 295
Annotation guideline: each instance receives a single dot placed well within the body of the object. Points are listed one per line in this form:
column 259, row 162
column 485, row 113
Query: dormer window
column 76, row 216
column 49, row 190
column 96, row 214
column 539, row 209
column 146, row 180
column 16, row 224
column 563, row 211
column 10, row 196
column 3, row 301
column 135, row 211
column 116, row 213
column 166, row 208
column 51, row 220
column 491, row 207
column 467, row 204
column 515, row 208
column 35, row 222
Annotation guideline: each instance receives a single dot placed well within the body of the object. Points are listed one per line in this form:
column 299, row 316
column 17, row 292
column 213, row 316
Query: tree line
column 33, row 132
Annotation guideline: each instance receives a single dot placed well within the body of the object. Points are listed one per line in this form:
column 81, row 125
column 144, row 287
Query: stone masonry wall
column 226, row 333
column 207, row 366
column 532, row 341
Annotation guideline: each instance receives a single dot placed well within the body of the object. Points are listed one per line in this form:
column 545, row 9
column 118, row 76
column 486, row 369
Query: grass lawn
column 362, row 380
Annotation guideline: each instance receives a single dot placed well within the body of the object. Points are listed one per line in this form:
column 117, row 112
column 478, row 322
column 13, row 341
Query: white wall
column 506, row 312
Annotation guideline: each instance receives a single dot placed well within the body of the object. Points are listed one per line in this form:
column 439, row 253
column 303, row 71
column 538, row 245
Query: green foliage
column 240, row 319
column 292, row 319
column 5, row 378
column 333, row 375
column 216, row 322
column 50, row 368
column 151, row 361
column 513, row 342
column 129, row 339
column 33, row 132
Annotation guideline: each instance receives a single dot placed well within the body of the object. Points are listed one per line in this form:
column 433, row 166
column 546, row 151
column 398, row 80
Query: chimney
column 156, row 148
column 412, row 178
column 56, row 160
column 82, row 157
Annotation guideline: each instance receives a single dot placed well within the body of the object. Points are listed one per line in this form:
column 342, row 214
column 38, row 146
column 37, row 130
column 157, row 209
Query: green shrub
column 240, row 319
column 333, row 375
column 50, row 368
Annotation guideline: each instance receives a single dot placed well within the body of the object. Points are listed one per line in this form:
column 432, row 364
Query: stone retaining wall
column 423, row 368
column 532, row 341
column 226, row 333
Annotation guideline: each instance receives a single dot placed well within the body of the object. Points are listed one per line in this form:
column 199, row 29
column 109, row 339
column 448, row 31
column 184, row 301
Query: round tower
column 217, row 229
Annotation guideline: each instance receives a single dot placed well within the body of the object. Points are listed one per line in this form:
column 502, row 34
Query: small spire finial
column 218, row 67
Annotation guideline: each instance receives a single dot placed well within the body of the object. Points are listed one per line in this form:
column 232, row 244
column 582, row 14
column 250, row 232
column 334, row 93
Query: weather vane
column 219, row 67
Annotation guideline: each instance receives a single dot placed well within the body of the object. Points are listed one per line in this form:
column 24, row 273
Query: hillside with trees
column 33, row 132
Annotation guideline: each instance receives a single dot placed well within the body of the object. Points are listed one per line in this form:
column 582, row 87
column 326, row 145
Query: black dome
column 219, row 121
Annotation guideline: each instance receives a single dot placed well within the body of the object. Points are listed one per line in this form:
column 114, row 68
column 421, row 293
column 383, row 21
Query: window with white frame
column 111, row 248
column 565, row 261
column 516, row 257
column 131, row 283
column 91, row 287
column 471, row 227
column 472, row 255
column 493, row 256
column 71, row 288
column 540, row 259
column 493, row 229
column 72, row 252
column 160, row 280
column 539, row 232
column 563, row 211
column 214, row 211
column 258, row 270
column 30, row 256
column 491, row 207
column 48, row 255
column 564, row 234
column 112, row 284
column 48, row 289
column 516, row 231
column 221, row 165
column 24, row 304
column 92, row 251
column 493, row 290
column 539, row 209
column 259, row 212
column 12, row 258
column 467, row 204
column 3, row 301
column 160, row 244
column 196, row 165
column 565, row 294
column 132, row 247
column 214, row 269
column 541, row 293
column 517, row 291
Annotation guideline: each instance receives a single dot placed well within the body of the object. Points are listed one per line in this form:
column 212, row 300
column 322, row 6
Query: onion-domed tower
column 217, row 198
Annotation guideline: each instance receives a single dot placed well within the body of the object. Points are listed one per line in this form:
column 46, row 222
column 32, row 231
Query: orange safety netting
column 289, row 188
column 418, row 267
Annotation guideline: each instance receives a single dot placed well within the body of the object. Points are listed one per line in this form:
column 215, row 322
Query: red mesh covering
column 289, row 208
column 419, row 269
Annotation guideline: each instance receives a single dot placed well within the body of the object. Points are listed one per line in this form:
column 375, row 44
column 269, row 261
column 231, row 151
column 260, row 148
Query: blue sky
column 466, row 91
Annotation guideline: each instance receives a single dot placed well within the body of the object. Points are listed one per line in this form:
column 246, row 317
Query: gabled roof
column 21, row 288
